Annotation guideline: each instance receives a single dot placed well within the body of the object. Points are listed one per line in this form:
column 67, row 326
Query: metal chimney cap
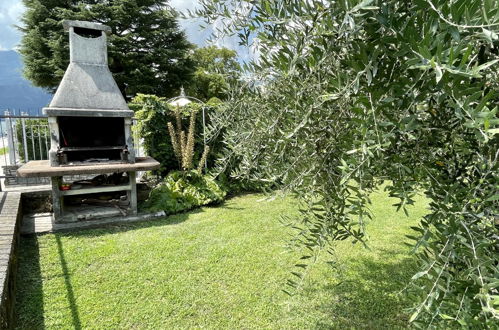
column 86, row 25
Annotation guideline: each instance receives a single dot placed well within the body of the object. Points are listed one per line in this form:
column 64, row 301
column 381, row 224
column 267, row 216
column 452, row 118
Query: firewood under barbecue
column 104, row 179
column 96, row 201
column 121, row 205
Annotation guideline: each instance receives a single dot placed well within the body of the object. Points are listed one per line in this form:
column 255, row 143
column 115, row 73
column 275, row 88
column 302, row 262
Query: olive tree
column 347, row 94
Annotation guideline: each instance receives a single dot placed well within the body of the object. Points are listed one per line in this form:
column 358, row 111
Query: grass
column 4, row 150
column 222, row 267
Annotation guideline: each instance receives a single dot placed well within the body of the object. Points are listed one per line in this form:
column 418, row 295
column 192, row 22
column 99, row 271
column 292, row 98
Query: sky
column 11, row 10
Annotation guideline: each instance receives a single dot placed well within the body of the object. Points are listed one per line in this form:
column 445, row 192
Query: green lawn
column 4, row 150
column 220, row 267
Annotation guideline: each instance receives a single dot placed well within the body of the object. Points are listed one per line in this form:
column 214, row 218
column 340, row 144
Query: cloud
column 194, row 31
column 199, row 36
column 10, row 12
column 182, row 5
column 193, row 26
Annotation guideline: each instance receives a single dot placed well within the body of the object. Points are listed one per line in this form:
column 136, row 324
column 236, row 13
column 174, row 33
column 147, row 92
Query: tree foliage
column 147, row 51
column 216, row 68
column 349, row 93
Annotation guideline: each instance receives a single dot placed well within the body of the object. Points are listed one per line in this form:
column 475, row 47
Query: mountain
column 17, row 93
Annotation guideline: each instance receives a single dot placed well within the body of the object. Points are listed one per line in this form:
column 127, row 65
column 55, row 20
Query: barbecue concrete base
column 62, row 213
column 87, row 212
column 43, row 222
column 42, row 168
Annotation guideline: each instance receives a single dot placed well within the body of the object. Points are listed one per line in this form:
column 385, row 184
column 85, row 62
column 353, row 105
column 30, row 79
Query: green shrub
column 235, row 186
column 182, row 191
column 153, row 114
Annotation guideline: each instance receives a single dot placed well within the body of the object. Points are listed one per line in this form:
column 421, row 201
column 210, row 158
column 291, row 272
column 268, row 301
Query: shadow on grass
column 370, row 296
column 69, row 287
column 29, row 307
column 367, row 296
column 29, row 296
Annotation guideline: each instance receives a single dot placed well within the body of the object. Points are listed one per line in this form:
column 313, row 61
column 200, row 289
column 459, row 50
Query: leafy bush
column 153, row 114
column 183, row 142
column 239, row 185
column 182, row 191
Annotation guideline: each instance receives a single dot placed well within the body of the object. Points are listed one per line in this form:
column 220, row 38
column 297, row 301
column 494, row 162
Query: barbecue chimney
column 88, row 85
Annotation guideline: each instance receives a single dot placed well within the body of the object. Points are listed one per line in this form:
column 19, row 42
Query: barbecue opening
column 91, row 139
column 87, row 33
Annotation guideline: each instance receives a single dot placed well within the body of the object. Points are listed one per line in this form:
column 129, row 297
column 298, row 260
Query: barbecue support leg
column 132, row 194
column 54, row 141
column 129, row 140
column 57, row 199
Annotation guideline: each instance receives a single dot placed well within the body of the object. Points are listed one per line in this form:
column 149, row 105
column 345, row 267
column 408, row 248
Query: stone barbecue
column 90, row 129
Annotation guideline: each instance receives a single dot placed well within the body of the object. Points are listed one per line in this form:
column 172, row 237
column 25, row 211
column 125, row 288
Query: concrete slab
column 87, row 112
column 23, row 189
column 42, row 168
column 42, row 223
column 89, row 212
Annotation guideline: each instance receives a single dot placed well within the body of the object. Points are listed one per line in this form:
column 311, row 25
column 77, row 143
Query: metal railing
column 23, row 137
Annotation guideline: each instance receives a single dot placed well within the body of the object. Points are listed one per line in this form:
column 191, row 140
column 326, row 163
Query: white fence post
column 10, row 139
column 25, row 142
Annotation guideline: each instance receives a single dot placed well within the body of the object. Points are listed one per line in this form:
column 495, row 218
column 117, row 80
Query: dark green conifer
column 147, row 51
